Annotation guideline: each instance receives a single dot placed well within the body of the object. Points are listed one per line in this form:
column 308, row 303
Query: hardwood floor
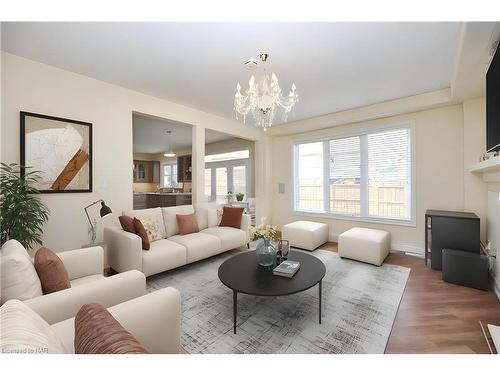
column 437, row 317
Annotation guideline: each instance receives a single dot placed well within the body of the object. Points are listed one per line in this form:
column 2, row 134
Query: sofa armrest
column 124, row 249
column 245, row 225
column 83, row 262
column 153, row 319
column 109, row 291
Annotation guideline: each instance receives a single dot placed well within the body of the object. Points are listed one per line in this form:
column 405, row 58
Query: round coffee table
column 242, row 274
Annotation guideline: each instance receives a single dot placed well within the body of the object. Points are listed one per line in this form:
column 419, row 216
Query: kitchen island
column 151, row 200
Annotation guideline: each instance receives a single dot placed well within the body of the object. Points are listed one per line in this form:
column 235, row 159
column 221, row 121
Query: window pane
column 345, row 172
column 221, row 184
column 389, row 174
column 310, row 176
column 208, row 182
column 239, row 179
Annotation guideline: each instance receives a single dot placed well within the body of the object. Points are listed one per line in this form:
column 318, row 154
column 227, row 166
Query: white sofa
column 153, row 319
column 173, row 250
column 88, row 284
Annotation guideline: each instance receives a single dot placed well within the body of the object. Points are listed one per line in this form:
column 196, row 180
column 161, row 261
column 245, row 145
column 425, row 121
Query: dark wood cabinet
column 151, row 200
column 184, row 168
column 146, row 171
column 450, row 230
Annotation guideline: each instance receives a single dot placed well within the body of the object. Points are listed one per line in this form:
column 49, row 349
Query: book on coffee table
column 287, row 269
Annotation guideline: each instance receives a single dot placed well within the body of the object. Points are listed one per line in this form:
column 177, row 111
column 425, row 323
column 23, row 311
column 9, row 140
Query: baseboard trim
column 404, row 247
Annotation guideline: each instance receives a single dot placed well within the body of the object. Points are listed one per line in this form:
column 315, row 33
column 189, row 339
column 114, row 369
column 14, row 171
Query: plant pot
column 266, row 253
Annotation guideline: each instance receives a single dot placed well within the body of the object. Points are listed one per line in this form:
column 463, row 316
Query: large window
column 366, row 175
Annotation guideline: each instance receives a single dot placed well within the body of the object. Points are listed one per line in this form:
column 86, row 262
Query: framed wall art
column 61, row 149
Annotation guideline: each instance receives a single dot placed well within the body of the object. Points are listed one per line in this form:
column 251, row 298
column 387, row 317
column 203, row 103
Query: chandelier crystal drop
column 264, row 99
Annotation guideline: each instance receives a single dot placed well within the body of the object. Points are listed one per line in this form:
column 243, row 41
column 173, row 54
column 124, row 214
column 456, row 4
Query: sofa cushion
column 24, row 331
column 51, row 271
column 170, row 218
column 19, row 279
column 127, row 223
column 141, row 232
column 163, row 255
column 230, row 238
column 202, row 210
column 187, row 224
column 86, row 280
column 198, row 245
column 231, row 217
column 97, row 332
column 152, row 213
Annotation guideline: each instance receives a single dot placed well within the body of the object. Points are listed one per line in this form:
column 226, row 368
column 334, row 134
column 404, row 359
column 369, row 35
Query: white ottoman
column 306, row 235
column 365, row 245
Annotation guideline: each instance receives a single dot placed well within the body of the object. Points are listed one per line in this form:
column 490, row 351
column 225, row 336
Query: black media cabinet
column 450, row 230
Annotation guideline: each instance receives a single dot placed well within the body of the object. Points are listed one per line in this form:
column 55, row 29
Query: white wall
column 439, row 177
column 493, row 232
column 36, row 87
column 475, row 190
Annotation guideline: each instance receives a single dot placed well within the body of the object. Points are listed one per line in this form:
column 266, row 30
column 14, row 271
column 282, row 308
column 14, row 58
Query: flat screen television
column 493, row 104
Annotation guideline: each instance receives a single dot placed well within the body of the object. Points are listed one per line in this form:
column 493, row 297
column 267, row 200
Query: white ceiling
column 335, row 66
column 150, row 135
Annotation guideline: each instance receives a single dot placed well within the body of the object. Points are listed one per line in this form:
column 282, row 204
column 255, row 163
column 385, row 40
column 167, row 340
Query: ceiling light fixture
column 264, row 98
column 169, row 153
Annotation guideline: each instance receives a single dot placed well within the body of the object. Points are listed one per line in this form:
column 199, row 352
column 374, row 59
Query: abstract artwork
column 59, row 148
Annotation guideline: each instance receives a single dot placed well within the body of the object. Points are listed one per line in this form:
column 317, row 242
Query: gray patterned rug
column 360, row 303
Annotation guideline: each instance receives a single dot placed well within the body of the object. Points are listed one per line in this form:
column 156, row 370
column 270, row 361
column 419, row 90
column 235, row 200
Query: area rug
column 360, row 302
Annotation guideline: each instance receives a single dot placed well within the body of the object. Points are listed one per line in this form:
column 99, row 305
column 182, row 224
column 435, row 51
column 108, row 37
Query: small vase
column 266, row 253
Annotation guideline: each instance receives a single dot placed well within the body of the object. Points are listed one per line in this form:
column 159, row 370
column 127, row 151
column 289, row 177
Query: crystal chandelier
column 264, row 99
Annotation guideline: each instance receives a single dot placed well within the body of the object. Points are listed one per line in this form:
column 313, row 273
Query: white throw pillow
column 19, row 277
column 214, row 217
column 24, row 331
column 201, row 211
column 149, row 213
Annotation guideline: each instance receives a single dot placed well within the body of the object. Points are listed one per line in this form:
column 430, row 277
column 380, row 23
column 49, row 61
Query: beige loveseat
column 88, row 284
column 173, row 250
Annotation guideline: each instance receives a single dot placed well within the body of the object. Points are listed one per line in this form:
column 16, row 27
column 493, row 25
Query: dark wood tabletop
column 242, row 274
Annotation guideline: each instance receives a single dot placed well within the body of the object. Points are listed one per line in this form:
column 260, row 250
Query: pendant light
column 169, row 153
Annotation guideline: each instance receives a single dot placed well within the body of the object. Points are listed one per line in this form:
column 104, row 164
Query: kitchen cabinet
column 147, row 171
column 151, row 200
column 184, row 168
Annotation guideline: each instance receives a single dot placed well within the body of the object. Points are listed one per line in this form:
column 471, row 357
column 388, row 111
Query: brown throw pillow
column 98, row 332
column 231, row 217
column 127, row 223
column 141, row 232
column 187, row 224
column 51, row 271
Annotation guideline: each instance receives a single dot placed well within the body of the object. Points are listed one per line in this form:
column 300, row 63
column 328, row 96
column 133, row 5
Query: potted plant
column 239, row 197
column 22, row 213
column 266, row 252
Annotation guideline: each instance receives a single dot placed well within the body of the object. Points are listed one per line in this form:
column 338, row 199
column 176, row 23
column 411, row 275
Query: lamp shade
column 105, row 210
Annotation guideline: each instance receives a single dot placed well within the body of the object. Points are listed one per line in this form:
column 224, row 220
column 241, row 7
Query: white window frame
column 162, row 174
column 363, row 217
column 229, row 165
